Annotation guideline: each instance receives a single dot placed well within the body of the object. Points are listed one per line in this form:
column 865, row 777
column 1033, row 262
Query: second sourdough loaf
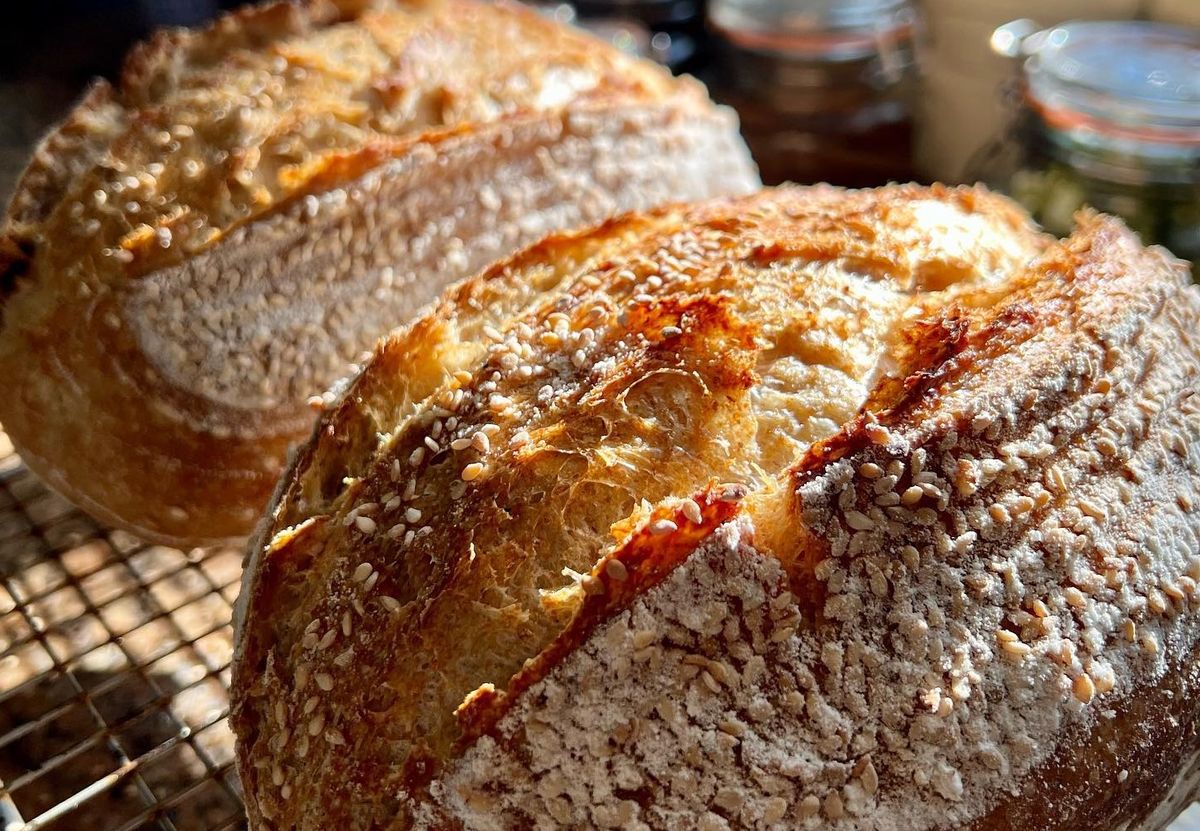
column 197, row 250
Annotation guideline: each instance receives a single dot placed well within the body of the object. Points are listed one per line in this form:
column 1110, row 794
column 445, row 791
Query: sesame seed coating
column 571, row 633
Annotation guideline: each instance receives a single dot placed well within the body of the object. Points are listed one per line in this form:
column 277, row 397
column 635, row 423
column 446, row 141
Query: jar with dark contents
column 823, row 87
column 1107, row 115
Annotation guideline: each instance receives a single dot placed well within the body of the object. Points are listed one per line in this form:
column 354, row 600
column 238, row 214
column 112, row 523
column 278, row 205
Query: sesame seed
column 912, row 495
column 671, row 331
column 869, row 778
column 327, row 639
column 662, row 526
column 390, row 603
column 481, row 442
column 643, row 638
column 317, row 724
column 925, row 516
column 472, row 471
column 1083, row 688
column 431, row 444
column 412, row 515
column 461, row 444
column 616, row 570
column 371, row 581
column 416, row 456
column 362, row 572
column 870, row 470
column 691, row 510
column 834, row 807
column 591, row 585
column 334, row 736
column 324, row 681
column 859, row 521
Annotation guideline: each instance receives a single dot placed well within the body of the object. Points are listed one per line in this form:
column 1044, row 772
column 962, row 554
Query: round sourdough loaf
column 195, row 252
column 852, row 510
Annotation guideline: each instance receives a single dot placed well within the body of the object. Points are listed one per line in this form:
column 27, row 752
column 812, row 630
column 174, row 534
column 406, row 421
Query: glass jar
column 823, row 87
column 1107, row 114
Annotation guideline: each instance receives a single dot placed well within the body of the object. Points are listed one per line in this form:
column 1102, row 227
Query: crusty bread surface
column 199, row 249
column 815, row 508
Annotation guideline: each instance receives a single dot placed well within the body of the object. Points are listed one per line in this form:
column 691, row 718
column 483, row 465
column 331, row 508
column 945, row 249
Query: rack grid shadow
column 114, row 672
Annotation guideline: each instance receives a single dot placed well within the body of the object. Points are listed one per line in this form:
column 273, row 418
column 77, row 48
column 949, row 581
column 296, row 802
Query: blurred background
column 854, row 92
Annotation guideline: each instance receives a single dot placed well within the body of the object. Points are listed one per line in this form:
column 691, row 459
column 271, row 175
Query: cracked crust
column 200, row 249
column 959, row 467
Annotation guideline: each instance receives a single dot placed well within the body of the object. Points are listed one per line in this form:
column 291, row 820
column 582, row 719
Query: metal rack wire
column 114, row 673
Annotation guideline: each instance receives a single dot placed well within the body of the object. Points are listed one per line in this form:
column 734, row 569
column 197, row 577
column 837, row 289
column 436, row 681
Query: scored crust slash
column 666, row 538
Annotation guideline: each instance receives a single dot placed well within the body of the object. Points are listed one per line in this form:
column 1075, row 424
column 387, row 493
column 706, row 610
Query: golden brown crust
column 612, row 375
column 194, row 254
column 993, row 603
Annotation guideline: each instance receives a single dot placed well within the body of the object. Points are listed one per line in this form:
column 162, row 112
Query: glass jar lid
column 1132, row 79
column 823, row 29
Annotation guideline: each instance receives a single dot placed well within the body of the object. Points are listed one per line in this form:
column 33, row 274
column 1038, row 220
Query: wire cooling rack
column 114, row 673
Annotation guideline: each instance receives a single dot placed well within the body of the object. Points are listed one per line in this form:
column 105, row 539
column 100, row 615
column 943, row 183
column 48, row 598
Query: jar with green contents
column 1109, row 117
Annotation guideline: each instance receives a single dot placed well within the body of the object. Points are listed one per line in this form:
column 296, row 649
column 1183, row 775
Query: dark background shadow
column 51, row 49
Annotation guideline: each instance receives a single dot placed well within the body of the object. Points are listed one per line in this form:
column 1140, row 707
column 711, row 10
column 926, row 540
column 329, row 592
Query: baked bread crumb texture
column 813, row 508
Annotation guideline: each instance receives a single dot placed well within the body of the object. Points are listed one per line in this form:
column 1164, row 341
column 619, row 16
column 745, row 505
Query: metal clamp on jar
column 823, row 87
column 1107, row 115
